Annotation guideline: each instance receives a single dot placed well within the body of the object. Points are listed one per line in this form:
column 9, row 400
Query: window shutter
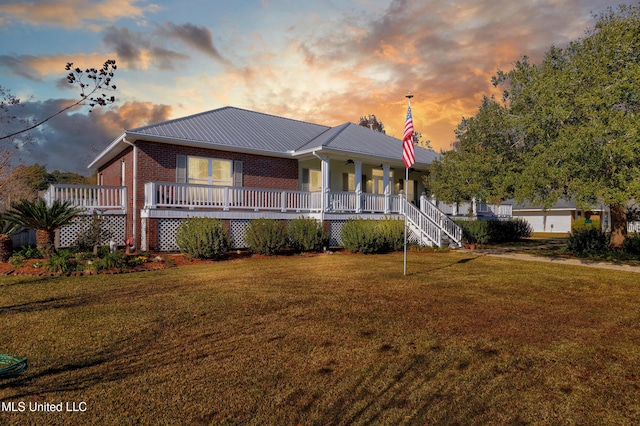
column 181, row 169
column 305, row 179
column 237, row 173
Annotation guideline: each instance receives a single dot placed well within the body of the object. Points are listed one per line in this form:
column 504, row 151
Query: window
column 207, row 171
column 378, row 181
column 411, row 190
column 348, row 182
column 311, row 180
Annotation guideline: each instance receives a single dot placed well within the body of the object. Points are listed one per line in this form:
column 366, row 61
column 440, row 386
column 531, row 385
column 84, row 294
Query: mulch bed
column 31, row 266
column 156, row 261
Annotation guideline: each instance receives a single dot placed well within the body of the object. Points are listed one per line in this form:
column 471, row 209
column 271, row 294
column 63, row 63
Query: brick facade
column 157, row 163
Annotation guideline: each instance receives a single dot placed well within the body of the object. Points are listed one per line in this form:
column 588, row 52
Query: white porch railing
column 498, row 210
column 89, row 196
column 169, row 194
column 482, row 209
column 343, row 201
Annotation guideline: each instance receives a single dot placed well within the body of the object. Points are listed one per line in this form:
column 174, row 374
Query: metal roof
column 235, row 127
column 351, row 138
column 231, row 128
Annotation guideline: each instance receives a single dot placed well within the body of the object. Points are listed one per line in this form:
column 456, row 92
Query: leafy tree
column 420, row 141
column 43, row 219
column 24, row 182
column 567, row 127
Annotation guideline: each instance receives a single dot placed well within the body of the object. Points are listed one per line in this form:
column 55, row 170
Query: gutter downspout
column 135, row 193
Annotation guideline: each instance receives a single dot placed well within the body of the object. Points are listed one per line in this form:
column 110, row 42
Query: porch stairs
column 432, row 227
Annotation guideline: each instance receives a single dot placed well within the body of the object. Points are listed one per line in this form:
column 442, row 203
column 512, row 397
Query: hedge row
column 594, row 242
column 373, row 236
column 494, row 231
column 207, row 238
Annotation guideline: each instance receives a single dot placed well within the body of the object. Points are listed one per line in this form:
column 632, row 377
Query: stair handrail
column 452, row 229
column 425, row 226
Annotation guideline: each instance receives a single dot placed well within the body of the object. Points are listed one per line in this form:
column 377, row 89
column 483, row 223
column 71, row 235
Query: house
column 559, row 217
column 238, row 165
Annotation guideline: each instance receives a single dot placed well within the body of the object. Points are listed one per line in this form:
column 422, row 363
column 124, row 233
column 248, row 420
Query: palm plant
column 43, row 219
column 7, row 228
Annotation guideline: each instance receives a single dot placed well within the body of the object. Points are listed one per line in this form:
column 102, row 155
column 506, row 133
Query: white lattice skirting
column 114, row 224
column 335, row 232
column 167, row 233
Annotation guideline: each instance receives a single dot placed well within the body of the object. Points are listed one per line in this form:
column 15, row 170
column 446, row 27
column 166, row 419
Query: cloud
column 36, row 67
column 136, row 51
column 140, row 50
column 73, row 13
column 199, row 38
column 443, row 52
column 70, row 141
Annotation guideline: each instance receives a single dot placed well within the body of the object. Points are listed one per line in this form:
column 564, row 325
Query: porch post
column 387, row 187
column 326, row 182
column 358, row 180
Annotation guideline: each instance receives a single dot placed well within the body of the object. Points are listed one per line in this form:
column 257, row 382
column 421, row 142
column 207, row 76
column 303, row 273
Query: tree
column 419, row 141
column 90, row 91
column 43, row 219
column 24, row 182
column 9, row 105
column 372, row 123
column 567, row 127
column 7, row 228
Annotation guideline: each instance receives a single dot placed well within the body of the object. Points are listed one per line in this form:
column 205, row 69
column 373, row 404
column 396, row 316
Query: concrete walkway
column 517, row 253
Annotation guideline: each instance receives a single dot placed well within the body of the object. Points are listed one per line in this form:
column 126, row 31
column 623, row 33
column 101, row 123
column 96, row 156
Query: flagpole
column 406, row 198
column 406, row 178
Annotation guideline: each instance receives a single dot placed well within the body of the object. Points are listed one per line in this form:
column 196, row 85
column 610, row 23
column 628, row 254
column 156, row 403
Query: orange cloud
column 46, row 65
column 73, row 13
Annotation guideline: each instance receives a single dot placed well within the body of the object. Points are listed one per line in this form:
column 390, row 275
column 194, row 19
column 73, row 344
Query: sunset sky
column 323, row 61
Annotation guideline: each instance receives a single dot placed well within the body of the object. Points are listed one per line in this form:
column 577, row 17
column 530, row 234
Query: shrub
column 474, row 231
column 61, row 261
column 29, row 252
column 17, row 260
column 93, row 233
column 391, row 232
column 203, row 238
column 631, row 244
column 266, row 236
column 84, row 256
column 360, row 235
column 588, row 241
column 494, row 231
column 520, row 228
column 138, row 260
column 306, row 235
column 116, row 260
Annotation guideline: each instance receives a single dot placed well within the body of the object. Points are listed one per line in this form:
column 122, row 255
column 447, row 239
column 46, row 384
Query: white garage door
column 548, row 221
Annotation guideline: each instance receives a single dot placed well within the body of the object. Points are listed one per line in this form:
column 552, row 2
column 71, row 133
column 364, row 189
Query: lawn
column 330, row 339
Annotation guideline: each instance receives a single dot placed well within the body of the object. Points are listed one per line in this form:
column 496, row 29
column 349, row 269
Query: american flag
column 408, row 155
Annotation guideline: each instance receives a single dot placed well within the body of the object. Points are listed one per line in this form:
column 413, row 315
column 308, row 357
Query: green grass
column 340, row 339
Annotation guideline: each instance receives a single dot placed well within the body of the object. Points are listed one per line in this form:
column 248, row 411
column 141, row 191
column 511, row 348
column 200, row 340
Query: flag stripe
column 408, row 155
